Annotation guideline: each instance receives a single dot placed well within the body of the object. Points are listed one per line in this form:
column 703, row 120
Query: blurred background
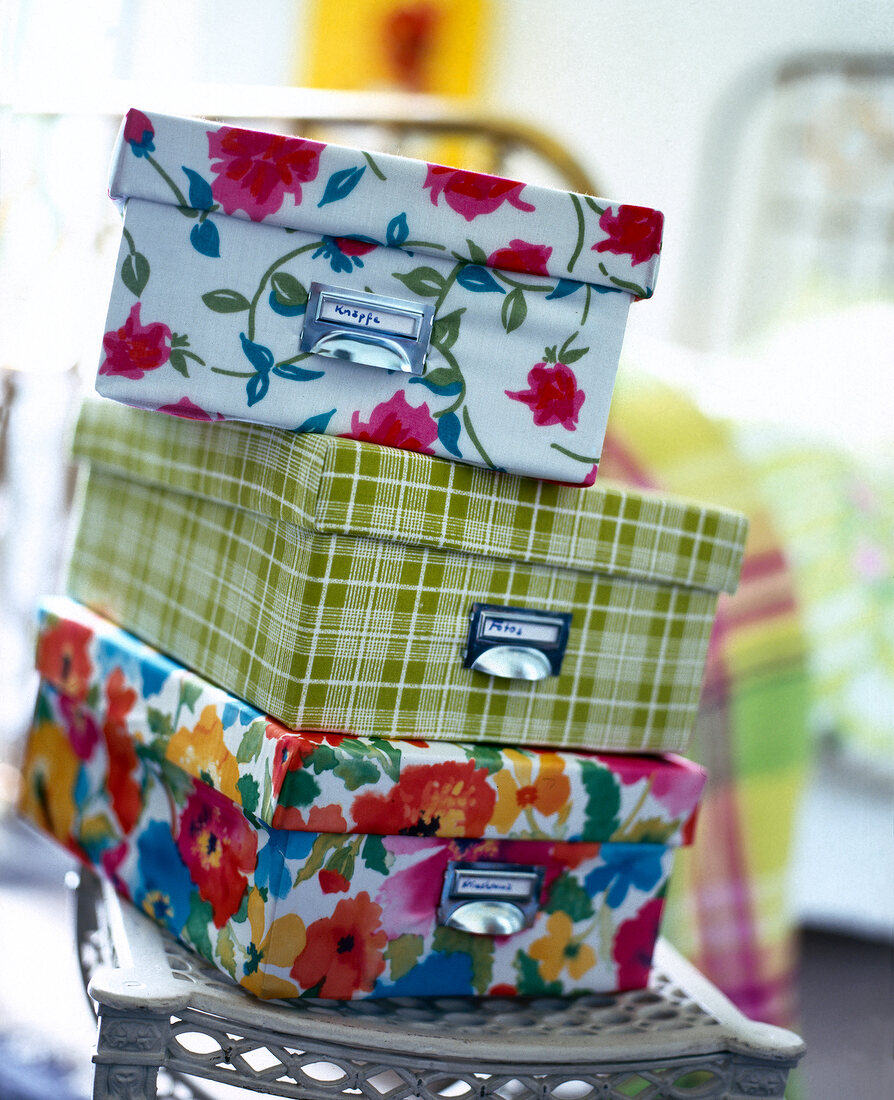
column 761, row 376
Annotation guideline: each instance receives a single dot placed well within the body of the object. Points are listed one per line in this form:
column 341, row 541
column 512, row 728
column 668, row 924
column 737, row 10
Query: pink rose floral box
column 327, row 289
column 331, row 866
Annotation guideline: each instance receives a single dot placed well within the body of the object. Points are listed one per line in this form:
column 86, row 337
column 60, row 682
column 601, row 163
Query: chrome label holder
column 516, row 643
column 487, row 898
column 371, row 329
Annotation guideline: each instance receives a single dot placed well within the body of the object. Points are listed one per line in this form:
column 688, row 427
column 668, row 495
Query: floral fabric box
column 341, row 586
column 332, row 866
column 325, row 289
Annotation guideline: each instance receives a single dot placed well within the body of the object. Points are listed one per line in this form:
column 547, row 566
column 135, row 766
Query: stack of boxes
column 378, row 694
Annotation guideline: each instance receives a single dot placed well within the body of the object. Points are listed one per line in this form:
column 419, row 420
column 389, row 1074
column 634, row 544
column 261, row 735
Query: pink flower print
column 472, row 193
column 187, row 410
column 634, row 944
column 677, row 789
column 395, row 423
column 138, row 133
column 553, row 397
column 136, row 348
column 531, row 259
column 80, row 725
column 633, row 230
column 351, row 246
column 255, row 171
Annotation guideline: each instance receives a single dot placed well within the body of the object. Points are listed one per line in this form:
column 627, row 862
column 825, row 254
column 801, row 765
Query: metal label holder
column 389, row 333
column 490, row 899
column 516, row 643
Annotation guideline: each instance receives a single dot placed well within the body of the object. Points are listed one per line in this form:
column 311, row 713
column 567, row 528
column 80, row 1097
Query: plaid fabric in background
column 729, row 907
column 365, row 631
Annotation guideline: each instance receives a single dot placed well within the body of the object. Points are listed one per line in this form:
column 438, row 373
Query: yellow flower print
column 283, row 942
column 50, row 772
column 547, row 794
column 201, row 753
column 559, row 950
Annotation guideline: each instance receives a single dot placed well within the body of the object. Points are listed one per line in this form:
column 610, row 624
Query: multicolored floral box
column 331, row 866
column 326, row 289
column 342, row 586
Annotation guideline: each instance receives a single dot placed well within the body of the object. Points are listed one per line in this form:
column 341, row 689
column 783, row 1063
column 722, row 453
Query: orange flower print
column 343, row 953
column 62, row 658
column 559, row 950
column 50, row 773
column 276, row 946
column 448, row 799
column 201, row 753
column 533, row 783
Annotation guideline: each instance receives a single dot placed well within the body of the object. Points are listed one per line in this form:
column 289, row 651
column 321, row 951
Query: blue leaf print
column 341, row 184
column 297, row 374
column 398, row 230
column 257, row 388
column 200, row 197
column 284, row 310
column 449, row 387
column 261, row 358
column 316, row 424
column 477, row 278
column 563, row 288
column 448, row 433
column 205, row 239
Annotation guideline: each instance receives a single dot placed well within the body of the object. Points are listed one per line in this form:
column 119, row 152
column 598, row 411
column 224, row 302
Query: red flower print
column 136, row 348
column 320, row 819
column 634, row 944
column 633, row 230
column 255, row 171
column 293, row 749
column 522, row 256
column 63, row 659
column 448, row 799
column 187, row 410
column 124, row 790
column 350, row 246
column 472, row 193
column 219, row 847
column 343, row 952
column 138, row 133
column 395, row 423
column 332, row 882
column 553, row 395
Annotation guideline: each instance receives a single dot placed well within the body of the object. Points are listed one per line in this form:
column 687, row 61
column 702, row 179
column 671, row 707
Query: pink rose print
column 633, row 230
column 634, row 944
column 255, row 171
column 136, row 348
column 472, row 193
column 395, row 423
column 138, row 133
column 553, row 395
column 188, row 411
column 531, row 259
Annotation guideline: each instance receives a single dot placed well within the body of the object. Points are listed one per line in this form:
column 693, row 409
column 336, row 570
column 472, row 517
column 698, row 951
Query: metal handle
column 513, row 663
column 487, row 918
column 372, row 351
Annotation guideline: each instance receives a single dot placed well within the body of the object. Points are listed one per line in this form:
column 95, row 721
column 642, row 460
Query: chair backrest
column 795, row 207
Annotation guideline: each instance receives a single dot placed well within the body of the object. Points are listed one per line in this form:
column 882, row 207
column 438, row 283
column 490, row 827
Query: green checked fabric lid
column 344, row 487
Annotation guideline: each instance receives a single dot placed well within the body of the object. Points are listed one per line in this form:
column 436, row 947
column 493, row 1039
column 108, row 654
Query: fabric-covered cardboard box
column 342, row 586
column 325, row 865
column 322, row 288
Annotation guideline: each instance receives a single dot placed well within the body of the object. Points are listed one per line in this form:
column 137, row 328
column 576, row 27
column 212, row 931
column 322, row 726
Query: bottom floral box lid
column 412, row 905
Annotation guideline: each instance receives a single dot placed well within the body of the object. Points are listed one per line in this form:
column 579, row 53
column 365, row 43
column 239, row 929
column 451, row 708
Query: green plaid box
column 330, row 582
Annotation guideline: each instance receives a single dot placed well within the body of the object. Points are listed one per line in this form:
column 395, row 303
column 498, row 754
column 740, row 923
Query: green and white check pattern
column 364, row 631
